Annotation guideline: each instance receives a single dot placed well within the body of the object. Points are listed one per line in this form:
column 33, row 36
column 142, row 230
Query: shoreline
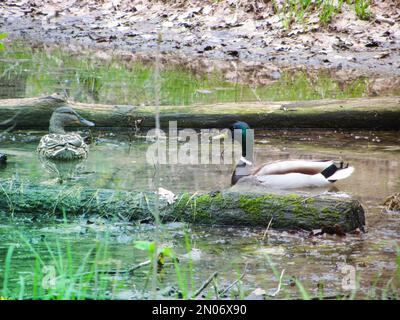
column 370, row 48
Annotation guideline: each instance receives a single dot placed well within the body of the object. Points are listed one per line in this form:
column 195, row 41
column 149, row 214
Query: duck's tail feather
column 334, row 172
column 341, row 174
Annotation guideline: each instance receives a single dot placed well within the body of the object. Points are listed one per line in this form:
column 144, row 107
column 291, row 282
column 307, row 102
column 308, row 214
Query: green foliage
column 305, row 295
column 362, row 8
column 82, row 275
column 59, row 277
column 398, row 262
column 6, row 274
column 328, row 9
column 2, row 36
column 305, row 3
column 299, row 10
column 148, row 246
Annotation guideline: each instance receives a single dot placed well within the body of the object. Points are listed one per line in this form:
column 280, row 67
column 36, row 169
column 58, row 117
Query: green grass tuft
column 299, row 11
column 362, row 8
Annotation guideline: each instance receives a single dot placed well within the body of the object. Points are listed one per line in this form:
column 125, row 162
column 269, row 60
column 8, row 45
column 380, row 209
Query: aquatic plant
column 59, row 278
column 58, row 271
column 2, row 36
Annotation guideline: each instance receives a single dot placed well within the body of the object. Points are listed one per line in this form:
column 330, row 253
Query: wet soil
column 214, row 30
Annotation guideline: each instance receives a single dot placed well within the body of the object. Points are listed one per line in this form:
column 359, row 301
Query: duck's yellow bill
column 221, row 136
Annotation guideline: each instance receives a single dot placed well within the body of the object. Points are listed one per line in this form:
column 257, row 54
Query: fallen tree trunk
column 361, row 113
column 287, row 211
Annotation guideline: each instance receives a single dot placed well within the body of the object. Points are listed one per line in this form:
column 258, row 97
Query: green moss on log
column 287, row 211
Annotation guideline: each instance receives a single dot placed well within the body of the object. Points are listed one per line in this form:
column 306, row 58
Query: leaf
column 167, row 252
column 304, row 293
column 2, row 36
column 145, row 246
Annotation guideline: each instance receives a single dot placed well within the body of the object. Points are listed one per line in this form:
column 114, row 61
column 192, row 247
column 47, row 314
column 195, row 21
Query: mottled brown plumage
column 60, row 145
column 63, row 147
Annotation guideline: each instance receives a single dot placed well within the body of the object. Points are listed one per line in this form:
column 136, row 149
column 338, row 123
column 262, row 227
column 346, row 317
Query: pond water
column 102, row 77
column 119, row 162
column 87, row 251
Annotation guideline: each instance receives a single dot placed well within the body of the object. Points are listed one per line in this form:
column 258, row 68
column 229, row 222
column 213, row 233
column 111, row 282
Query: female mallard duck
column 286, row 174
column 60, row 145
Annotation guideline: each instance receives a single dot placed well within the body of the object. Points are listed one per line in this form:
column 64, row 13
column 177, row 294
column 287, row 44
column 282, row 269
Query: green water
column 118, row 162
column 28, row 72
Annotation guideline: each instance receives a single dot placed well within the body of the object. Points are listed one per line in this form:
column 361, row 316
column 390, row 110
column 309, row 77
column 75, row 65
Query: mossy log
column 359, row 113
column 287, row 211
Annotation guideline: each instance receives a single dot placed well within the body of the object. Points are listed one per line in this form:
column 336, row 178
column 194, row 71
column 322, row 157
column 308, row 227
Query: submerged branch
column 223, row 292
column 205, row 285
column 130, row 270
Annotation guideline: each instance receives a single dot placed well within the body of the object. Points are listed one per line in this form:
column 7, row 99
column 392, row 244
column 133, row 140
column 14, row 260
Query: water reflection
column 12, row 85
column 87, row 77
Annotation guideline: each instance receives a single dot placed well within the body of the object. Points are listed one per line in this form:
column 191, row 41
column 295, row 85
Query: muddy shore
column 213, row 30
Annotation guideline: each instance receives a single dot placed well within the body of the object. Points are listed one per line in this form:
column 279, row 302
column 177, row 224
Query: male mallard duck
column 60, row 145
column 286, row 174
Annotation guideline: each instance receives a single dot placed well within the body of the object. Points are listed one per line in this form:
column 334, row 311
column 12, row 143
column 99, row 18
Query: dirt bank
column 256, row 31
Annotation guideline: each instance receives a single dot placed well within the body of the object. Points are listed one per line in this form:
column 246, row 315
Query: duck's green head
column 239, row 131
column 240, row 125
column 243, row 127
column 242, row 134
column 65, row 116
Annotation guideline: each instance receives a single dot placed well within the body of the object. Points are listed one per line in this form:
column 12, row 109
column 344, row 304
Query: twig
column 216, row 289
column 138, row 266
column 266, row 230
column 279, row 285
column 309, row 198
column 8, row 122
column 205, row 285
column 255, row 94
column 233, row 283
column 131, row 270
column 339, row 296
